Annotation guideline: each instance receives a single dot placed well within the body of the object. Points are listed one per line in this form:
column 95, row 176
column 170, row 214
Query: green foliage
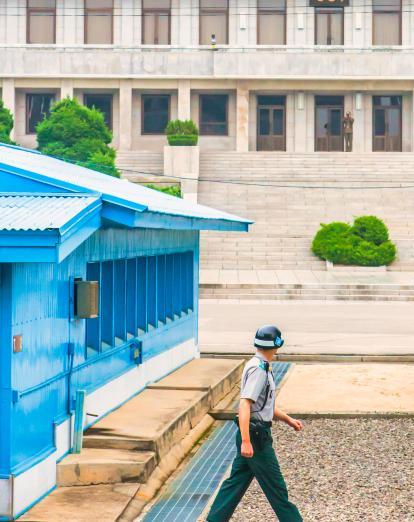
column 366, row 243
column 371, row 229
column 6, row 124
column 182, row 132
column 78, row 134
column 172, row 190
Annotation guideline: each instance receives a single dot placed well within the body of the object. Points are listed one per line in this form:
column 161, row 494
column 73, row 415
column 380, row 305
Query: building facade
column 253, row 74
column 99, row 292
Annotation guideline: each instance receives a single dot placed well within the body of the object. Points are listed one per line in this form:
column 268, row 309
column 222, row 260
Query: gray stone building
column 253, row 74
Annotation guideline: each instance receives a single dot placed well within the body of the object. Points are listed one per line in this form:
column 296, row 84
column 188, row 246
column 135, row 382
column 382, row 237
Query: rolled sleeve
column 253, row 384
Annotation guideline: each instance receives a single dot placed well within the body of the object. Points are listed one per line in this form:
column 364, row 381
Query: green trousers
column 265, row 468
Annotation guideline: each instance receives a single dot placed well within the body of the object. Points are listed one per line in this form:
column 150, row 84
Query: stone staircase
column 309, row 189
column 135, row 164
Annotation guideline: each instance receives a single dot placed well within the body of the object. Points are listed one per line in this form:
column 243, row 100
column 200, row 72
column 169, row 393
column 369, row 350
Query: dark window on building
column 214, row 114
column 386, row 23
column 37, row 108
column 329, row 26
column 155, row 113
column 102, row 102
column 138, row 295
column 271, row 22
column 214, row 20
column 156, row 26
column 41, row 21
column 99, row 16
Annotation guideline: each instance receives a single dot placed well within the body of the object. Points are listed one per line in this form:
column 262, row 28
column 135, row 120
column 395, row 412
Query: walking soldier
column 255, row 454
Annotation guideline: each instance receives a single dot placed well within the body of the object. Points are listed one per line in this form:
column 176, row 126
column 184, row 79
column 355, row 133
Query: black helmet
column 268, row 337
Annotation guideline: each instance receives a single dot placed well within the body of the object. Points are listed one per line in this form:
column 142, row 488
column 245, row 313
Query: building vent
column 86, row 299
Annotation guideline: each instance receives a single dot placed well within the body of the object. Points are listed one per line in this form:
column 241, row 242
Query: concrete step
column 105, row 466
column 157, row 419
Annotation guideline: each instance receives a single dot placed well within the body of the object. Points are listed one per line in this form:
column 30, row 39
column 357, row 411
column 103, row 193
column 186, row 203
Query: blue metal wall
column 40, row 312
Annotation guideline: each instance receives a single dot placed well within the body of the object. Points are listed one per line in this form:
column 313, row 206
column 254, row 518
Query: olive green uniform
column 263, row 465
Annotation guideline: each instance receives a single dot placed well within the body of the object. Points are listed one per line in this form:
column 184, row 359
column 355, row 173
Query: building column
column 300, row 122
column 242, row 119
column 125, row 115
column 184, row 100
column 66, row 89
column 8, row 95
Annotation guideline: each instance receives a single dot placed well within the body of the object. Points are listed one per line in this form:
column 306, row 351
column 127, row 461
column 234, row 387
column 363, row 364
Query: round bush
column 365, row 243
column 371, row 229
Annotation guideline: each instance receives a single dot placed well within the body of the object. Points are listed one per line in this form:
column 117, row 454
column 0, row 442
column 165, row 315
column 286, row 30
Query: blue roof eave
column 50, row 246
column 147, row 219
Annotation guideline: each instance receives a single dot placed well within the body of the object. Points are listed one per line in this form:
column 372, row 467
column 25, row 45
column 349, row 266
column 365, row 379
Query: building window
column 214, row 20
column 99, row 16
column 156, row 26
column 386, row 23
column 138, row 295
column 271, row 22
column 41, row 21
column 102, row 102
column 37, row 108
column 214, row 114
column 329, row 26
column 155, row 113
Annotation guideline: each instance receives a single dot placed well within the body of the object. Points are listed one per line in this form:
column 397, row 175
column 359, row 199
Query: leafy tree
column 78, row 134
column 6, row 124
column 172, row 190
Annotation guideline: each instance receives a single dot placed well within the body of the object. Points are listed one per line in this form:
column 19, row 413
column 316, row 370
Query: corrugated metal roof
column 123, row 191
column 40, row 212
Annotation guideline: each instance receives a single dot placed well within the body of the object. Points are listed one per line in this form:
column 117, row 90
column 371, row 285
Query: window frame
column 87, row 11
column 378, row 11
column 156, row 12
column 261, row 10
column 102, row 95
column 329, row 11
column 202, row 133
column 202, row 12
column 29, row 12
column 28, row 94
column 145, row 95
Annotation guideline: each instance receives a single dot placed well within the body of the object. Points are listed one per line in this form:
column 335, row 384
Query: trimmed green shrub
column 365, row 243
column 371, row 229
column 6, row 124
column 182, row 132
column 173, row 190
column 77, row 134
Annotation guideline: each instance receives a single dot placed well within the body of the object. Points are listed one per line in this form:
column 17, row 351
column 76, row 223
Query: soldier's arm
column 244, row 420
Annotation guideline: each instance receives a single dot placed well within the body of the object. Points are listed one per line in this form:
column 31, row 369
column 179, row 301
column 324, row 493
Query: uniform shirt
column 254, row 382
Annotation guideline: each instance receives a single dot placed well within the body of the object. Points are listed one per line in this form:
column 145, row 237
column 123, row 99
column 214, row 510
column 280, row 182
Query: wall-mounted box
column 86, row 299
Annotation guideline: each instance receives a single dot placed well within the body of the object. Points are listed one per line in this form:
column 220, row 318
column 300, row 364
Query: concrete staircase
column 135, row 164
column 288, row 214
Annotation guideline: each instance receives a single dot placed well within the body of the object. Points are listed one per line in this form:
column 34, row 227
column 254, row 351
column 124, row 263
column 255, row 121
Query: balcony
column 224, row 62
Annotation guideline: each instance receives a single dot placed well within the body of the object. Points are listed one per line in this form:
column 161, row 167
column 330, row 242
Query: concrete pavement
column 310, row 327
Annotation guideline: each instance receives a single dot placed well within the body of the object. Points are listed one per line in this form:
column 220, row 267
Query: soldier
column 348, row 124
column 255, row 454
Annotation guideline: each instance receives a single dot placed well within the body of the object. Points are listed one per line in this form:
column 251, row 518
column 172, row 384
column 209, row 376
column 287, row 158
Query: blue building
column 62, row 229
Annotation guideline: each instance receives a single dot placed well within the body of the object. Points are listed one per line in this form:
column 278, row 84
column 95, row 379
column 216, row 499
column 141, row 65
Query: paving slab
column 349, row 388
column 101, row 503
column 217, row 376
column 310, row 327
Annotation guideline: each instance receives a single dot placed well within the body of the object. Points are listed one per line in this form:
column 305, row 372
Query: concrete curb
column 353, row 415
column 321, row 357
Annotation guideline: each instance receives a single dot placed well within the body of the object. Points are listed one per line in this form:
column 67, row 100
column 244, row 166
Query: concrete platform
column 105, row 466
column 216, row 376
column 349, row 388
column 82, row 504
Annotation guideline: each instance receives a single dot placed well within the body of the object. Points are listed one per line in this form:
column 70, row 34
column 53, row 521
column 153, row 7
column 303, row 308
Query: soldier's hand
column 295, row 424
column 246, row 450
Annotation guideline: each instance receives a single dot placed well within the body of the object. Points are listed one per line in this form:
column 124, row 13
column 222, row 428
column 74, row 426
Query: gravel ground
column 344, row 471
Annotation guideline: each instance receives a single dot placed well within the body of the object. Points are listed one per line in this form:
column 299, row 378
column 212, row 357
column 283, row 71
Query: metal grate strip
column 186, row 497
